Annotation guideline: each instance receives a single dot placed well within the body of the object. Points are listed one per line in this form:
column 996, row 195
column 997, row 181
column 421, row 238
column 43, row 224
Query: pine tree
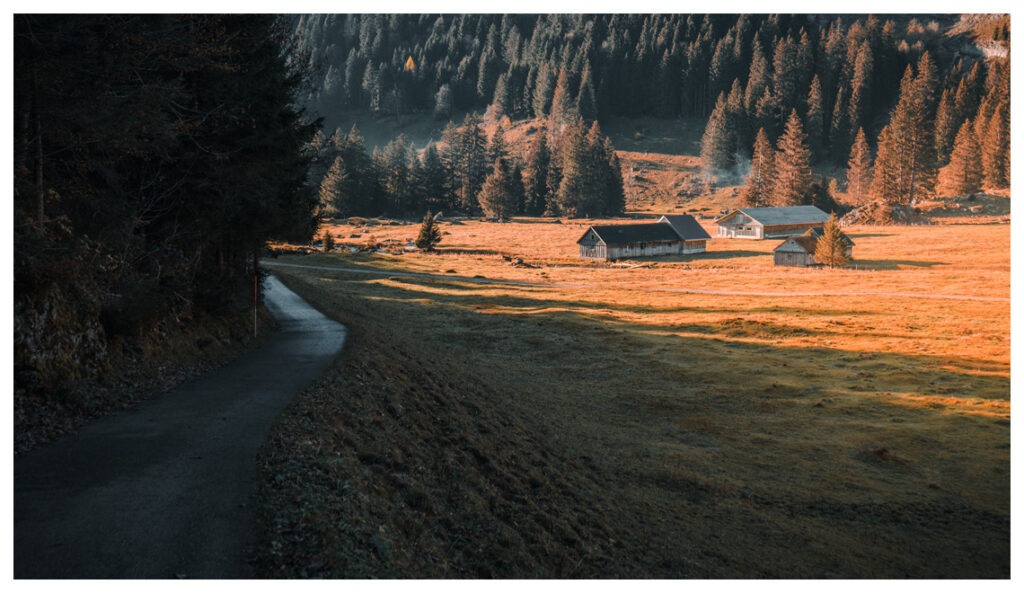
column 498, row 197
column 995, row 150
column 839, row 129
column 717, row 145
column 963, row 175
column 860, row 86
column 859, row 169
column 430, row 234
column 758, row 78
column 563, row 108
column 815, row 120
column 830, row 249
column 947, row 122
column 904, row 168
column 538, row 161
column 757, row 189
column 792, row 166
column 497, row 148
column 332, row 193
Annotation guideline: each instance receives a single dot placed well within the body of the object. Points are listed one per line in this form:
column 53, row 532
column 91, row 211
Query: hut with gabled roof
column 769, row 223
column 799, row 250
column 671, row 235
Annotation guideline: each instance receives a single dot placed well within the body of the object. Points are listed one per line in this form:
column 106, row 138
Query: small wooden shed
column 769, row 223
column 799, row 250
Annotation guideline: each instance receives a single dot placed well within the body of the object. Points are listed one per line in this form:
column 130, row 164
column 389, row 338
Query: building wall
column 599, row 251
column 749, row 230
column 793, row 258
column 695, row 246
column 788, row 230
column 646, row 249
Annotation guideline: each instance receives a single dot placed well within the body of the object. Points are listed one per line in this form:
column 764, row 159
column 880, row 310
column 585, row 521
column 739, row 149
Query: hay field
column 824, row 423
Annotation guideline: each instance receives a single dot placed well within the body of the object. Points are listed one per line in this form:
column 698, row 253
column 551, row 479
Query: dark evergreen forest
column 154, row 156
column 813, row 84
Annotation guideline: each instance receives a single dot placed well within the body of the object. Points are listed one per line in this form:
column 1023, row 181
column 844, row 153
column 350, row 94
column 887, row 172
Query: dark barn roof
column 622, row 234
column 686, row 226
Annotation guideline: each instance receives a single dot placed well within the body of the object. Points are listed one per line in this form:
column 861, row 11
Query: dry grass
column 738, row 435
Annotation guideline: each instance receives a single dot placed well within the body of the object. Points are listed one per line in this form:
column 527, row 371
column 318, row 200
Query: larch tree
column 792, row 166
column 859, row 169
column 757, row 190
column 963, row 175
column 830, row 249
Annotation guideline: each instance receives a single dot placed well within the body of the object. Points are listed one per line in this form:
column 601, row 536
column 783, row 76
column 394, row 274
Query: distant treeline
column 153, row 157
column 566, row 168
column 840, row 76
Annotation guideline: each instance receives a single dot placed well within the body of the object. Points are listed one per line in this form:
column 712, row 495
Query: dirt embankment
column 400, row 465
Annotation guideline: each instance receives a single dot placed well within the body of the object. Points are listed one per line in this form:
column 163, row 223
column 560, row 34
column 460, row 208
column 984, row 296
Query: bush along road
column 166, row 490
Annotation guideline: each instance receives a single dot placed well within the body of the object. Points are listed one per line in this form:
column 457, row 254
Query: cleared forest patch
column 621, row 429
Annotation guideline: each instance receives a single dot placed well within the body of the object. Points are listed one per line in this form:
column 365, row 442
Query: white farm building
column 770, row 223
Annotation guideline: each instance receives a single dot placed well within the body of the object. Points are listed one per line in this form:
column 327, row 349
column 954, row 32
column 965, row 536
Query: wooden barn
column 799, row 250
column 770, row 223
column 671, row 235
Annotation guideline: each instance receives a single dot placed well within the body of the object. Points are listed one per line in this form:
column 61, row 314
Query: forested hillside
column 825, row 91
column 153, row 158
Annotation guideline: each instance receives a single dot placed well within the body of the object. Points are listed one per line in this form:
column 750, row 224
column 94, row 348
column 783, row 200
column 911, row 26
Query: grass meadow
column 692, row 416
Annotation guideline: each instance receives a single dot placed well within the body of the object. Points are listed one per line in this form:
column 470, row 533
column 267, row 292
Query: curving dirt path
column 165, row 490
column 482, row 280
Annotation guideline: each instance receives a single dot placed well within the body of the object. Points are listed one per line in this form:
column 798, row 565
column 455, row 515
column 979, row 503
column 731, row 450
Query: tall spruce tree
column 717, row 145
column 815, row 120
column 757, row 190
column 904, row 168
column 995, row 149
column 859, row 169
column 962, row 177
column 538, row 161
column 498, row 197
column 792, row 166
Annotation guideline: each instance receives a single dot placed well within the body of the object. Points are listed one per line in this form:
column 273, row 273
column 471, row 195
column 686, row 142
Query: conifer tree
column 947, row 122
column 815, row 119
column 431, row 180
column 563, row 108
column 995, row 150
column 859, row 169
column 792, row 166
column 830, row 249
column 904, row 170
column 717, row 145
column 757, row 189
column 332, row 195
column 538, row 161
column 860, row 87
column 615, row 194
column 430, row 234
column 839, row 128
column 498, row 198
column 497, row 148
column 963, row 175
column 758, row 78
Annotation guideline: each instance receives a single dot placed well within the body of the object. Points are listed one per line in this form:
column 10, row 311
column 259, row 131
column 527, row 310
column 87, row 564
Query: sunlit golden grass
column 810, row 389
